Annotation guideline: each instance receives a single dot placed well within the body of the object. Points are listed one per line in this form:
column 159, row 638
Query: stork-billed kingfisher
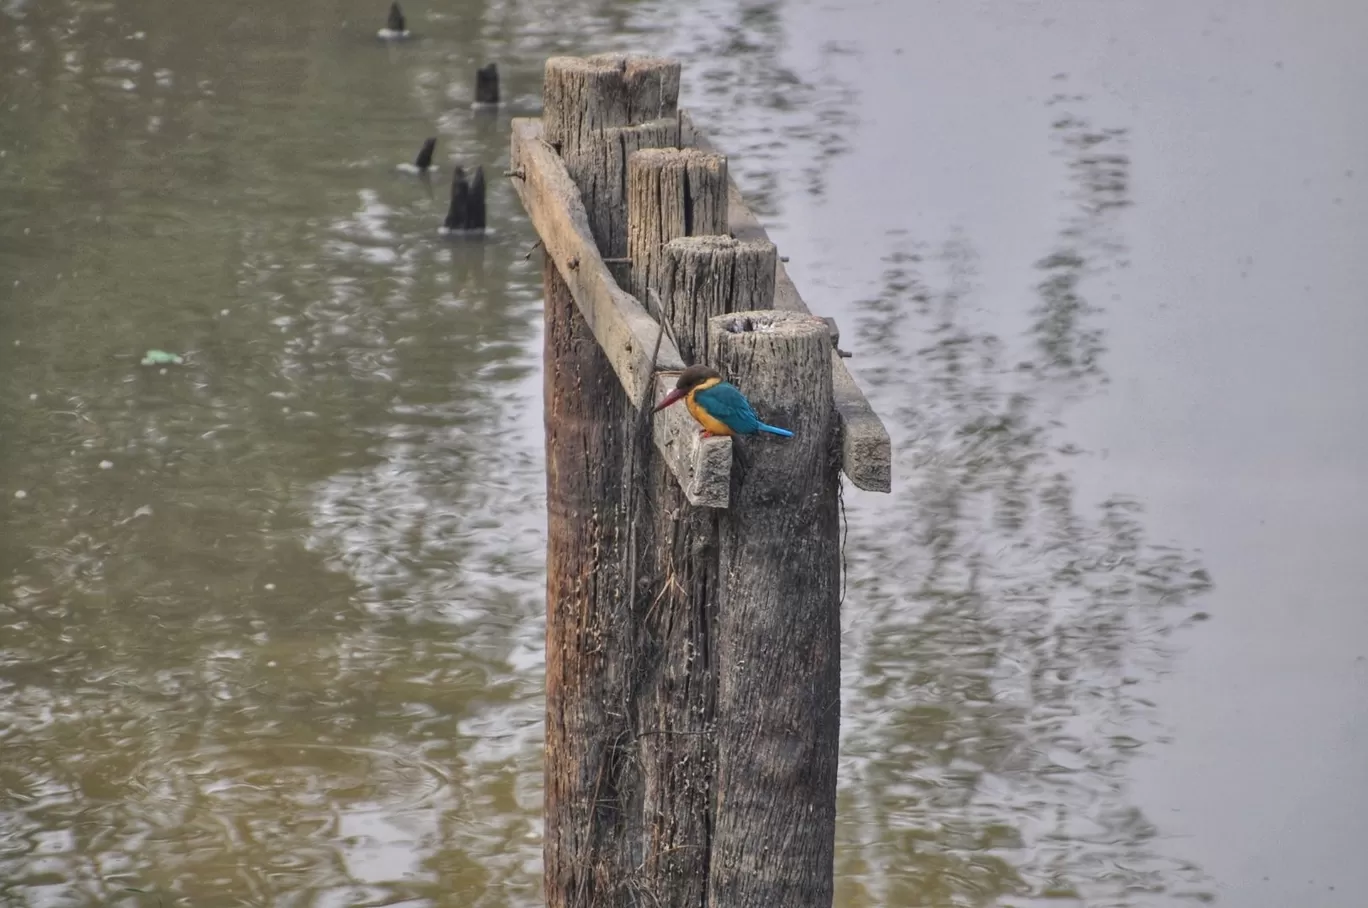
column 719, row 406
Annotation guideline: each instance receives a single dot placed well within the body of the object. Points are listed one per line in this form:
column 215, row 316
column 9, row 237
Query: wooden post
column 476, row 209
column 671, row 193
column 424, row 159
column 395, row 29
column 692, row 612
column 592, row 838
column 487, row 84
column 700, row 277
column 586, row 852
column 597, row 111
column 467, row 208
column 777, row 638
column 707, row 276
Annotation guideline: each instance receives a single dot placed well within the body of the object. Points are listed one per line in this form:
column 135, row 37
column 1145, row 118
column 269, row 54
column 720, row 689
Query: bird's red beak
column 673, row 397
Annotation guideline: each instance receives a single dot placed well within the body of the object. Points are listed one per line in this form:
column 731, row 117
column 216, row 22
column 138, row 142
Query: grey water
column 271, row 621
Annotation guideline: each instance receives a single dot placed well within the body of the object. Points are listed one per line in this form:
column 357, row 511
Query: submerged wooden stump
column 424, row 159
column 467, row 209
column 487, row 85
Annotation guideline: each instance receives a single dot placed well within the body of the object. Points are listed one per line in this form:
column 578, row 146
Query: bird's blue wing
column 726, row 402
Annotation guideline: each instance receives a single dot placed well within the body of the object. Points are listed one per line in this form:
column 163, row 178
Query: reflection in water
column 1099, row 170
column 997, row 634
column 271, row 620
column 739, row 62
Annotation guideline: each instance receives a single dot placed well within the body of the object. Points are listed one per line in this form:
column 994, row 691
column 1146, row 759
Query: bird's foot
column 704, row 433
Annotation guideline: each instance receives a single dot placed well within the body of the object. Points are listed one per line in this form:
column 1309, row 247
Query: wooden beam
column 866, row 453
column 623, row 328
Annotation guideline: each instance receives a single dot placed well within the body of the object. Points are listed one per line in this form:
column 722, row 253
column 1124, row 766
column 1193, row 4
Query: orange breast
column 705, row 419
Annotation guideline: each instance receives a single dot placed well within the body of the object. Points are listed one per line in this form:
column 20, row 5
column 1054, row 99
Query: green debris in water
column 161, row 358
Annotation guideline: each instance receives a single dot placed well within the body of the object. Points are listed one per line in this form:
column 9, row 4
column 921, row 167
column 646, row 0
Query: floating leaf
column 161, row 358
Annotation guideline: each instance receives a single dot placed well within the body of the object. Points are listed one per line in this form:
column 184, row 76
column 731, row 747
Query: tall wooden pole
column 671, row 194
column 693, row 654
column 777, row 633
column 591, row 848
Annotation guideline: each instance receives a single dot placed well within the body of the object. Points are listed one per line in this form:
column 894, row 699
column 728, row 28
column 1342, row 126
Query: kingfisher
column 719, row 406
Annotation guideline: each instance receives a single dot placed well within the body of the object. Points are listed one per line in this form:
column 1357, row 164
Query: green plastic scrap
column 161, row 358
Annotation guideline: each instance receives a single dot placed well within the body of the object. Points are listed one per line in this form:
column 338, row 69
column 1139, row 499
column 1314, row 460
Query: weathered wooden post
column 706, row 276
column 467, row 208
column 596, row 111
column 778, row 636
column 693, row 278
column 658, row 615
column 424, row 159
column 671, row 193
column 487, row 85
column 395, row 29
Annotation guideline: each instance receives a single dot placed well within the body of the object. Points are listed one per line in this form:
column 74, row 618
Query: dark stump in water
column 424, row 159
column 395, row 28
column 467, row 210
column 487, row 84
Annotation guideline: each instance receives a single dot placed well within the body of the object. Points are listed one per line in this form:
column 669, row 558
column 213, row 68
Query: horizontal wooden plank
column 866, row 454
column 623, row 328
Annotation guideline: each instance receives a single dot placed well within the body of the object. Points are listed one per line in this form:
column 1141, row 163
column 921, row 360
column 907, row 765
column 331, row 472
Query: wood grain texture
column 671, row 193
column 677, row 746
column 866, row 453
column 597, row 111
column 706, row 276
column 599, row 344
column 601, row 172
column 620, row 324
column 777, row 632
column 583, row 96
column 623, row 329
column 587, row 852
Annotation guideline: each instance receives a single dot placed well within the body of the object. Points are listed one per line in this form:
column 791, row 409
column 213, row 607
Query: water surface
column 271, row 622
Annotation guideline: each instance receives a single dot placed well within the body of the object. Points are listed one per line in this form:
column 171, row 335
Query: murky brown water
column 271, row 622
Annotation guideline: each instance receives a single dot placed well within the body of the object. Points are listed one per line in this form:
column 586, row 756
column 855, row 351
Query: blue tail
column 775, row 430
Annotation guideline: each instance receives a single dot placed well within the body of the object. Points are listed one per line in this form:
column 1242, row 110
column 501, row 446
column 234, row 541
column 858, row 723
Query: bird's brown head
column 694, row 376
column 689, row 379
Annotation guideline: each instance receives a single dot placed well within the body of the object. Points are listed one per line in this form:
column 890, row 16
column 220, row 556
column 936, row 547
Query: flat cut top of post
column 866, row 452
column 583, row 96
